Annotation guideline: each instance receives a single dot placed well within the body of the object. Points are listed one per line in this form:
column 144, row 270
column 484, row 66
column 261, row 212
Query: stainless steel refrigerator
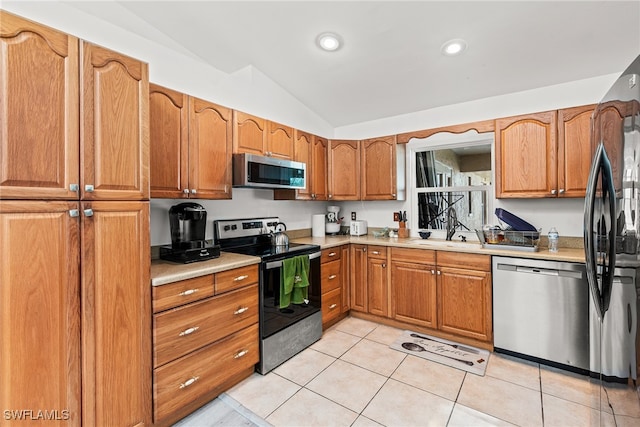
column 612, row 250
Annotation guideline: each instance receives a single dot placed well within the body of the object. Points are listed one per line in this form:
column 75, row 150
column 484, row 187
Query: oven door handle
column 277, row 264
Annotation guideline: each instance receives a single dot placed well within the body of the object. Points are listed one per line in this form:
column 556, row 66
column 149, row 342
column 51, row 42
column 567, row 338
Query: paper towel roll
column 317, row 225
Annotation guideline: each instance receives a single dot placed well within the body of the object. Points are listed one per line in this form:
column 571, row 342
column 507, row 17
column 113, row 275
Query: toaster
column 358, row 228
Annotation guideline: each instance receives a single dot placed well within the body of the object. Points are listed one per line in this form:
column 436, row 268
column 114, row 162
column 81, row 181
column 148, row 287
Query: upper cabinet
column 279, row 141
column 344, row 170
column 543, row 155
column 40, row 110
column 191, row 139
column 108, row 157
column 249, row 133
column 378, row 163
column 318, row 174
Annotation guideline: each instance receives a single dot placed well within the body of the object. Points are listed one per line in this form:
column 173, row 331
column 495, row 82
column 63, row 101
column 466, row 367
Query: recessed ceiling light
column 453, row 47
column 329, row 41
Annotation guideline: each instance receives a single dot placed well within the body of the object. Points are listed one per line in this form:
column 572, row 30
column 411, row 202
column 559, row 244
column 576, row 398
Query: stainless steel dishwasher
column 541, row 310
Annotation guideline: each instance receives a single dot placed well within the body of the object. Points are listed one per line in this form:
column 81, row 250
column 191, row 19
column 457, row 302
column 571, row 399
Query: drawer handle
column 332, row 306
column 333, row 276
column 240, row 354
column 333, row 254
column 188, row 292
column 189, row 331
column 241, row 310
column 237, row 279
column 376, row 252
column 188, row 382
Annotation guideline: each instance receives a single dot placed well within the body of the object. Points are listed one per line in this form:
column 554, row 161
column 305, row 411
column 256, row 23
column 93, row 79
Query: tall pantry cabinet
column 75, row 312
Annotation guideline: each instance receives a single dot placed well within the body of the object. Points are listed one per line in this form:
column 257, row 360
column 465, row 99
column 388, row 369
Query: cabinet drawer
column 187, row 328
column 464, row 260
column 182, row 292
column 374, row 251
column 418, row 256
column 180, row 382
column 331, row 303
column 331, row 274
column 236, row 278
column 330, row 254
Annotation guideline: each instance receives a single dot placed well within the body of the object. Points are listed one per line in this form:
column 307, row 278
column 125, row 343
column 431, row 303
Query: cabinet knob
column 330, row 196
column 194, row 191
column 73, row 213
column 384, row 265
column 433, row 272
column 185, row 191
column 393, row 195
column 438, row 272
column 74, row 187
column 561, row 191
column 364, row 249
column 240, row 354
column 188, row 382
column 88, row 212
column 188, row 331
column 88, row 188
column 240, row 310
column 553, row 191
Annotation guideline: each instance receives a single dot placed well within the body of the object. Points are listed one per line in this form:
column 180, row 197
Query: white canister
column 317, row 225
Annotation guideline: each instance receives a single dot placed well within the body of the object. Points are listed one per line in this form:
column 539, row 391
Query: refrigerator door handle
column 601, row 167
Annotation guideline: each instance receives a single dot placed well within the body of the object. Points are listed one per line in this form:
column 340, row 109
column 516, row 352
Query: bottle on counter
column 553, row 237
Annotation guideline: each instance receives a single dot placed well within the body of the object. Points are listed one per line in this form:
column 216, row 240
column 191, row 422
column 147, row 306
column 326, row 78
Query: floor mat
column 439, row 350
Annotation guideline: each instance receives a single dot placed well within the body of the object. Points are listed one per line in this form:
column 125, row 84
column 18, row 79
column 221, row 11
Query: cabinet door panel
column 526, row 151
column 464, row 302
column 344, row 170
column 116, row 317
column 168, row 127
column 378, row 295
column 574, row 150
column 359, row 278
column 280, row 141
column 249, row 133
column 303, row 152
column 413, row 297
column 39, row 147
column 318, row 175
column 115, row 137
column 346, row 277
column 210, row 143
column 40, row 309
column 609, row 129
column 378, row 163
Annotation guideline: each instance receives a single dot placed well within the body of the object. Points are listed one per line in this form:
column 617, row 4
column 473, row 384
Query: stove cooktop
column 269, row 252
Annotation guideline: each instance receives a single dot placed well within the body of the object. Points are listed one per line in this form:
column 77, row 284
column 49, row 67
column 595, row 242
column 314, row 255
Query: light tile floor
column 352, row 378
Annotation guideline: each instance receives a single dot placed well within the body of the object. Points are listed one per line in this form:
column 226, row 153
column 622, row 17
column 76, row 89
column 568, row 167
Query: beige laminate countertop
column 164, row 272
column 563, row 254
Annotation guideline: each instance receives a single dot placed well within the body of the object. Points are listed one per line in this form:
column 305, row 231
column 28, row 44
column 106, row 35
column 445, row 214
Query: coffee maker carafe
column 187, row 222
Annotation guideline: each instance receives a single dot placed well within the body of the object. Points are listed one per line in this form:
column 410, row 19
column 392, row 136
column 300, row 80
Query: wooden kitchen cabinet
column 544, row 154
column 358, row 300
column 609, row 128
column 311, row 150
column 369, row 279
column 335, row 282
column 344, row 170
column 205, row 341
column 40, row 308
column 464, row 295
column 413, row 286
column 192, row 142
column 114, row 145
column 249, row 133
column 346, row 277
column 39, row 148
column 279, row 141
column 379, row 173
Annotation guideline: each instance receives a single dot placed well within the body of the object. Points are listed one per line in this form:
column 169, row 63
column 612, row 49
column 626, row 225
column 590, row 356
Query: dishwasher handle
column 540, row 270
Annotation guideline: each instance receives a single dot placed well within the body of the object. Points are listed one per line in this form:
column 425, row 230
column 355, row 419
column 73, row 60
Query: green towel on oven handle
column 294, row 281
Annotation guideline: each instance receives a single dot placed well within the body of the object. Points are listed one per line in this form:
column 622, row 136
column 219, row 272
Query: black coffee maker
column 187, row 222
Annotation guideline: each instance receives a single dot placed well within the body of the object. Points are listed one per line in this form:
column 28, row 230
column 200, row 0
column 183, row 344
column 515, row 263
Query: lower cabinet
column 205, row 339
column 449, row 292
column 332, row 273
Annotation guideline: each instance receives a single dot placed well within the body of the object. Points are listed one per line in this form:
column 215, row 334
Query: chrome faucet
column 452, row 222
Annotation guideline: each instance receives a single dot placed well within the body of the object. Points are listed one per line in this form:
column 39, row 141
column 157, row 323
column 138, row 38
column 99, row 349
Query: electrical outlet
column 353, row 216
column 396, row 216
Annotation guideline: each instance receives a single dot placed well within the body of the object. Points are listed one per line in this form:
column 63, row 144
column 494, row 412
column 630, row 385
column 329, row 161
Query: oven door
column 273, row 318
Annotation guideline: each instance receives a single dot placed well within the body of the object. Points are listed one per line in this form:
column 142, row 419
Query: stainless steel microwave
column 251, row 170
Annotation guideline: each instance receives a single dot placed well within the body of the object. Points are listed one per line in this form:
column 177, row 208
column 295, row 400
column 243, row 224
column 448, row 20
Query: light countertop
column 164, row 272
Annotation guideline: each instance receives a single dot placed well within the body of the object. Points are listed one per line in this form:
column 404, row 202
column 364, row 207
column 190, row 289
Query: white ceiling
column 391, row 62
